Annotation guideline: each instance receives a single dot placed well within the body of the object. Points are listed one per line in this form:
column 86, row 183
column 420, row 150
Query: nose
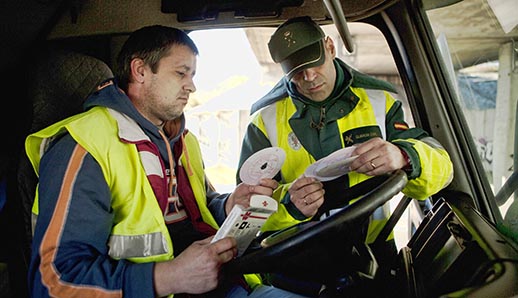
column 309, row 74
column 190, row 86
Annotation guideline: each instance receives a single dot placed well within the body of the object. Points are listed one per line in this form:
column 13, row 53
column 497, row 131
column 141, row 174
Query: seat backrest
column 56, row 87
column 63, row 80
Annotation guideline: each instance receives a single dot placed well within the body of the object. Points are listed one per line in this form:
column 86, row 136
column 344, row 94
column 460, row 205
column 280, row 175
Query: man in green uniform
column 322, row 105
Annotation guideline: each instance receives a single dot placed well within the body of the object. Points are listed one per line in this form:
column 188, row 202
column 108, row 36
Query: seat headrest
column 63, row 81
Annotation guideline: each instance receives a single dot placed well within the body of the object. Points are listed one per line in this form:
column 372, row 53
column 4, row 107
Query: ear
column 330, row 46
column 137, row 70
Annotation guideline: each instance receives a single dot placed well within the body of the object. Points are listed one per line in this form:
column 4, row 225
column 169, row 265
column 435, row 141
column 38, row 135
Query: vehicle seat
column 62, row 81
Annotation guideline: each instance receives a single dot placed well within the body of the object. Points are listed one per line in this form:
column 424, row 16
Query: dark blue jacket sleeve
column 70, row 253
column 217, row 203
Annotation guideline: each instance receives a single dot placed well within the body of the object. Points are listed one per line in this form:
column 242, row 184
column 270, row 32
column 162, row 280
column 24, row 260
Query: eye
column 297, row 76
column 181, row 73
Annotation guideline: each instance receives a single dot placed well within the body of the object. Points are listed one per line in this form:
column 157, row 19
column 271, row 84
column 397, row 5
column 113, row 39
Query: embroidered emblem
column 288, row 37
column 348, row 139
column 360, row 134
column 293, row 141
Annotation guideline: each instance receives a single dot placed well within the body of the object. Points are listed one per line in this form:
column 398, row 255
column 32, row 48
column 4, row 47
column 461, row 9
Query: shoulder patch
column 400, row 126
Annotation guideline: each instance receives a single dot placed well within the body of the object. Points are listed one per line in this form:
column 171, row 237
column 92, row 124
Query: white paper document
column 245, row 223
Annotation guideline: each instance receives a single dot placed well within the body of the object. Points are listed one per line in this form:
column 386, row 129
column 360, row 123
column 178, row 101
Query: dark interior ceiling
column 25, row 21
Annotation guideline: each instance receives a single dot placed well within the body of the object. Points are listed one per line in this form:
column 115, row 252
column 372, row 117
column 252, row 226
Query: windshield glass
column 482, row 60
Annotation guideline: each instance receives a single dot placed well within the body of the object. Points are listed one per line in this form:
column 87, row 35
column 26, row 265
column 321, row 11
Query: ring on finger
column 373, row 165
column 305, row 202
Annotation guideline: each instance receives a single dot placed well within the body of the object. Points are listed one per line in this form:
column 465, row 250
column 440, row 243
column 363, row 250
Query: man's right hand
column 197, row 269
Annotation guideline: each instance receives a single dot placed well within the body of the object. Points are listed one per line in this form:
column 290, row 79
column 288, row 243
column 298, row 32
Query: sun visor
column 506, row 17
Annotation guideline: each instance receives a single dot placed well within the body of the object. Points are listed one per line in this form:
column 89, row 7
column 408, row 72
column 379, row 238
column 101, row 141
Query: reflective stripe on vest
column 269, row 115
column 137, row 246
column 378, row 102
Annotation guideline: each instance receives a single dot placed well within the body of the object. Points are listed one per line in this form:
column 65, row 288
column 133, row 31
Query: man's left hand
column 243, row 192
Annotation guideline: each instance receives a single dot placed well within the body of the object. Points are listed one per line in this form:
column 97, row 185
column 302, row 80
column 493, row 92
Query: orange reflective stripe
column 51, row 278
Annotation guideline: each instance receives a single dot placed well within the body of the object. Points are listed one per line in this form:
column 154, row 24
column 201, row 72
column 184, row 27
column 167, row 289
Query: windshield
column 481, row 58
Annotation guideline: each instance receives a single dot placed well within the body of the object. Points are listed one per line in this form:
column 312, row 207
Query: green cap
column 297, row 44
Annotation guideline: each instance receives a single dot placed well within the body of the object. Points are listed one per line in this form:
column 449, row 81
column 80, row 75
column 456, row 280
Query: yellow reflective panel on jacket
column 298, row 158
column 121, row 165
column 272, row 121
column 125, row 171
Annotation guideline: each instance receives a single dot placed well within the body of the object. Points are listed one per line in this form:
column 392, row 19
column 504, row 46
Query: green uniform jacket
column 351, row 115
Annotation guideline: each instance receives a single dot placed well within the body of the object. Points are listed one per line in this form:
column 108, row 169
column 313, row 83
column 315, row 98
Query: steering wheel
column 321, row 250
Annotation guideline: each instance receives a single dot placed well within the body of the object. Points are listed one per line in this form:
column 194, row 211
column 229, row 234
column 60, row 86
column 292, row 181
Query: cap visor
column 310, row 56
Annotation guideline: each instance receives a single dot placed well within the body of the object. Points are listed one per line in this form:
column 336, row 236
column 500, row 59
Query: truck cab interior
column 454, row 62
